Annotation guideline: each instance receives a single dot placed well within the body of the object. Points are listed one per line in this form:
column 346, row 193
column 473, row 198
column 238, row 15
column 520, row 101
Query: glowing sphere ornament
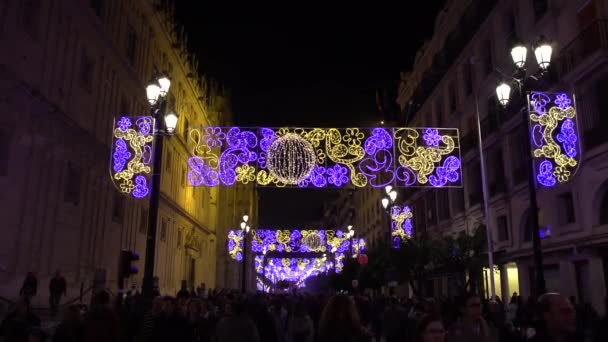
column 313, row 242
column 291, row 158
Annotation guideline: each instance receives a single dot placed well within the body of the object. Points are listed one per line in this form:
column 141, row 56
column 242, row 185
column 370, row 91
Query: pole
column 148, row 280
column 486, row 205
column 244, row 278
column 539, row 276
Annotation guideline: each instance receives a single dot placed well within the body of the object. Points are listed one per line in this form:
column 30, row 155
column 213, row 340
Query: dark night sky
column 305, row 66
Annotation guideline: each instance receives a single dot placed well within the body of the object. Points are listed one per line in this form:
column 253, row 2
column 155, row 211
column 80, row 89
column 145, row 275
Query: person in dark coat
column 16, row 325
column 558, row 319
column 171, row 325
column 340, row 322
column 101, row 323
column 57, row 289
column 30, row 286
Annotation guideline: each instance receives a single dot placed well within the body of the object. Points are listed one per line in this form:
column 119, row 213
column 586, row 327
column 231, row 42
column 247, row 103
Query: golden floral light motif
column 245, row 174
column 550, row 149
column 138, row 141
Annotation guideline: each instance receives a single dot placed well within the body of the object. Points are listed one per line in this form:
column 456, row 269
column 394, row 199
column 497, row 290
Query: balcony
column 591, row 40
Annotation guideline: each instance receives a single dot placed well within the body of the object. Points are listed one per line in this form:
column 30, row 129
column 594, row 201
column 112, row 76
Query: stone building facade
column 67, row 69
column 471, row 39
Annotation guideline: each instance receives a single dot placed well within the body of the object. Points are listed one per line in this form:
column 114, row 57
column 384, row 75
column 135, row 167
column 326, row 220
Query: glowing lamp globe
column 290, row 158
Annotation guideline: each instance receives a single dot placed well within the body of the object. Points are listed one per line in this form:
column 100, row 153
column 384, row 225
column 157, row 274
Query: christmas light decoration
column 131, row 154
column 401, row 224
column 235, row 244
column 325, row 157
column 554, row 136
column 290, row 158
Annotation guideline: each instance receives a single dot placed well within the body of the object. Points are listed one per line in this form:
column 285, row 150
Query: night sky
column 305, row 65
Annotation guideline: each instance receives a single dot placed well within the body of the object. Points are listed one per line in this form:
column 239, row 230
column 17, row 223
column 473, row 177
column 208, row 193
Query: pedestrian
column 471, row 326
column 394, row 322
column 301, row 328
column 183, row 292
column 236, row 325
column 57, row 289
column 430, row 329
column 558, row 319
column 29, row 287
column 101, row 323
column 340, row 322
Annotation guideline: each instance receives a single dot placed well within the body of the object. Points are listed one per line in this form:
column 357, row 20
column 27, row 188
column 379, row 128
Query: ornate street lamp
column 522, row 80
column 245, row 228
column 165, row 123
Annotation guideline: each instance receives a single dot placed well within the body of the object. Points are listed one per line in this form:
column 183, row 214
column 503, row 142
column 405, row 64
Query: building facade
column 71, row 68
column 457, row 66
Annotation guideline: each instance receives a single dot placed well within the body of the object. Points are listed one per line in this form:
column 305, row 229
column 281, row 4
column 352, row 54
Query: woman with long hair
column 340, row 322
column 430, row 329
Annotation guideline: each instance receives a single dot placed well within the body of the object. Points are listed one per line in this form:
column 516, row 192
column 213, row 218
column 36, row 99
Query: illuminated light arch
column 131, row 154
column 554, row 137
column 325, row 157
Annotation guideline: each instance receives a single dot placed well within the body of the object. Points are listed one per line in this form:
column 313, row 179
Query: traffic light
column 126, row 264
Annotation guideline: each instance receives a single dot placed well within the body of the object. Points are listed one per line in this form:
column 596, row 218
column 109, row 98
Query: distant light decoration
column 235, row 244
column 131, row 154
column 554, row 136
column 401, row 224
column 358, row 246
column 299, row 241
column 325, row 157
column 293, row 269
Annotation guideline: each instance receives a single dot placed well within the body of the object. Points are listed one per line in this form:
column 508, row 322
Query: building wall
column 72, row 66
column 575, row 253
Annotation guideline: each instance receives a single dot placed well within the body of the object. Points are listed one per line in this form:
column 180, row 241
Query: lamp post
column 245, row 228
column 165, row 123
column 387, row 203
column 522, row 79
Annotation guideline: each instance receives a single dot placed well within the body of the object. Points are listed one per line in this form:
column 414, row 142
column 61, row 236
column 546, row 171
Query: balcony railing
column 592, row 39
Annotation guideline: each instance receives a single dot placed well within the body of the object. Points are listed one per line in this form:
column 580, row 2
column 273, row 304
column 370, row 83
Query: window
column 604, row 209
column 487, row 57
column 457, row 196
column 567, row 208
column 168, row 161
column 443, row 204
column 72, row 184
column 30, row 17
column 131, row 45
column 97, row 7
column 87, row 68
column 419, row 217
column 118, row 208
column 503, row 228
column 186, row 128
column 510, row 24
column 143, row 221
column 467, row 75
column 540, row 8
column 183, row 177
column 452, row 97
column 518, row 155
column 5, row 150
column 124, row 106
column 179, row 238
column 438, row 113
column 431, row 206
column 496, row 172
column 527, row 226
column 163, row 230
column 474, row 183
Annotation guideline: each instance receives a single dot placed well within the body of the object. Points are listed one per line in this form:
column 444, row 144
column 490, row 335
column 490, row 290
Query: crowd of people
column 229, row 316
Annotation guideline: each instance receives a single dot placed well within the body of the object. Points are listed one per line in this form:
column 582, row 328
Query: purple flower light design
column 214, row 136
column 121, row 155
column 141, row 187
column 338, row 175
column 124, row 123
column 568, row 138
column 562, row 101
column 431, row 137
